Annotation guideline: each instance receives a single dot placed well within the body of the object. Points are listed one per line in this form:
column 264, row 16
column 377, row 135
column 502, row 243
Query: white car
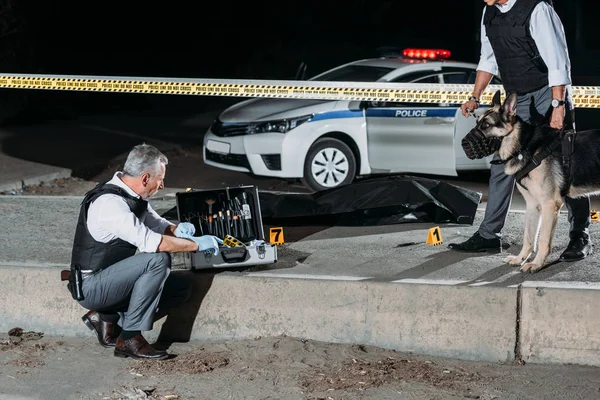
column 328, row 143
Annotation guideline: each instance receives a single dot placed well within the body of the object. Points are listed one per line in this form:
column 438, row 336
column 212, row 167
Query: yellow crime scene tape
column 583, row 96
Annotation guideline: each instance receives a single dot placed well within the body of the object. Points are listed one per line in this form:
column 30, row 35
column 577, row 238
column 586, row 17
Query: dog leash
column 566, row 138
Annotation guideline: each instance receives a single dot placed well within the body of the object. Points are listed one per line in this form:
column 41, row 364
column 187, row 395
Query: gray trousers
column 501, row 186
column 137, row 288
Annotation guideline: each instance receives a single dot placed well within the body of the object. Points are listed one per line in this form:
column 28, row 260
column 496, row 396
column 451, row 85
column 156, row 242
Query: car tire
column 329, row 163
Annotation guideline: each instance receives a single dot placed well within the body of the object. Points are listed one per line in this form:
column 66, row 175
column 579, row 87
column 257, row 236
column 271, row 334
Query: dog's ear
column 496, row 99
column 509, row 108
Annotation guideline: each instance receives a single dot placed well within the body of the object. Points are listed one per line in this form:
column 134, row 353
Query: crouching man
column 126, row 290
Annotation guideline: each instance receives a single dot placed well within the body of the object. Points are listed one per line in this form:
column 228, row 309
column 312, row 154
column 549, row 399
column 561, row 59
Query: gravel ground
column 36, row 367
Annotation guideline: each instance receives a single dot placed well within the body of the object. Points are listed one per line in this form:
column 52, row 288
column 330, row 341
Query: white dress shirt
column 109, row 217
column 549, row 35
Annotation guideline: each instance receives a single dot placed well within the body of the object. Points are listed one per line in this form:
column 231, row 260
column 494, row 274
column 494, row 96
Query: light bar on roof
column 431, row 54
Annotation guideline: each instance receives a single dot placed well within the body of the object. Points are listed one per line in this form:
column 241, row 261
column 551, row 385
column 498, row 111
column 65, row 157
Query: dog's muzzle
column 476, row 145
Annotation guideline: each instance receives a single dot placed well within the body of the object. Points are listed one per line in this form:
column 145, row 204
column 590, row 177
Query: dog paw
column 513, row 260
column 531, row 267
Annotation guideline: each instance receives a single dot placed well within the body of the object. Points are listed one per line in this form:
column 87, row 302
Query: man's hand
column 208, row 242
column 557, row 119
column 469, row 107
column 185, row 230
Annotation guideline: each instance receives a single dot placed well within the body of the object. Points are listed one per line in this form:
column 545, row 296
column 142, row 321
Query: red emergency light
column 431, row 54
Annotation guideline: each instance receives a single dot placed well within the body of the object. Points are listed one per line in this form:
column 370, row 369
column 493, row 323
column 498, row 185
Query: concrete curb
column 497, row 324
column 34, row 180
column 560, row 325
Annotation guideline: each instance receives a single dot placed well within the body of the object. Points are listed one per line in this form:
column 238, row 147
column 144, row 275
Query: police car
column 329, row 143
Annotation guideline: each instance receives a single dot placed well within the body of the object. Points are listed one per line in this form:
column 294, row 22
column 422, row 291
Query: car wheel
column 329, row 163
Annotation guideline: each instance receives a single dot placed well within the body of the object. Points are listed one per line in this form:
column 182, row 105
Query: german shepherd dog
column 545, row 185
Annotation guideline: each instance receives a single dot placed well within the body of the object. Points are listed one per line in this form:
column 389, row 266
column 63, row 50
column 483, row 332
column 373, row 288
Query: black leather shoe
column 137, row 347
column 578, row 249
column 477, row 244
column 107, row 332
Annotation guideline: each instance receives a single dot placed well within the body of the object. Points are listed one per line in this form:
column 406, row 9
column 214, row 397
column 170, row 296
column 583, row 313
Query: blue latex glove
column 185, row 230
column 208, row 242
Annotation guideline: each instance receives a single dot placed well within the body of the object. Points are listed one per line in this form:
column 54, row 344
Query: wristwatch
column 557, row 103
column 475, row 99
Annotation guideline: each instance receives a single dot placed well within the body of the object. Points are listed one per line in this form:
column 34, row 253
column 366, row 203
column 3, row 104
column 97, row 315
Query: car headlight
column 280, row 125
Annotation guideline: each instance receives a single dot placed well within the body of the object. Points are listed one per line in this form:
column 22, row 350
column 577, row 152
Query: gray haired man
column 122, row 248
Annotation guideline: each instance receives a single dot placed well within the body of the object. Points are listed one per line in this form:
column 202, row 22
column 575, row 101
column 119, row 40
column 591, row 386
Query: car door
column 412, row 137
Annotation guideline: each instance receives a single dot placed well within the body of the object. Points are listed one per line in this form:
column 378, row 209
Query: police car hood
column 272, row 109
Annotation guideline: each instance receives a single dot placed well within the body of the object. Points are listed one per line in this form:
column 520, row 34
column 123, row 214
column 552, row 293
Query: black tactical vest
column 93, row 255
column 521, row 67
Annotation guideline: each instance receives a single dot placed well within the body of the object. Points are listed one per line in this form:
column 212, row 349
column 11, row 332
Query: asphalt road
column 94, row 145
column 91, row 144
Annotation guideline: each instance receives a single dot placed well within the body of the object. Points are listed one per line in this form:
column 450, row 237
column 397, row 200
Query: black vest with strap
column 90, row 254
column 521, row 67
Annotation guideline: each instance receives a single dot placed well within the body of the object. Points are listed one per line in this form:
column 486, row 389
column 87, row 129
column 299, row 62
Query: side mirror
column 301, row 72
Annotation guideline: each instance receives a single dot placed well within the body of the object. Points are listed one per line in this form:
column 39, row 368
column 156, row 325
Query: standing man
column 125, row 290
column 524, row 41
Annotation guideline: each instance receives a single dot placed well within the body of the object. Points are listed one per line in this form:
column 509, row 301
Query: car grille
column 226, row 130
column 235, row 160
column 272, row 161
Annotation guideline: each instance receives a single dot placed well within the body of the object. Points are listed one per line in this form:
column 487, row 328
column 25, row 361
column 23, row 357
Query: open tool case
column 229, row 212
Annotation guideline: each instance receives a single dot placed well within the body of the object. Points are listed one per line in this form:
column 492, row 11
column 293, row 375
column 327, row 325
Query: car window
column 461, row 76
column 428, row 79
column 413, row 77
column 354, row 73
column 418, row 77
column 458, row 77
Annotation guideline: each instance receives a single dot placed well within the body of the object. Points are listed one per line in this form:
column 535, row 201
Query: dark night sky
column 255, row 40
column 246, row 40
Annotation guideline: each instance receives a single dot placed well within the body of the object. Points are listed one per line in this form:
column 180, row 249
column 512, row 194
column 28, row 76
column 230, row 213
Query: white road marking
column 512, row 210
column 444, row 282
column 561, row 285
column 43, row 196
column 497, row 280
column 33, row 264
column 483, row 283
column 432, row 281
column 302, row 276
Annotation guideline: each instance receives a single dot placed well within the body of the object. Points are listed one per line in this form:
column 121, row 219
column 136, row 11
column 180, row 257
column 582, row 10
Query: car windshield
column 354, row 73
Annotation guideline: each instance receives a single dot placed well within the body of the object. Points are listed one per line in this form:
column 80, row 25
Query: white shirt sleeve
column 487, row 59
column 548, row 32
column 109, row 217
column 155, row 222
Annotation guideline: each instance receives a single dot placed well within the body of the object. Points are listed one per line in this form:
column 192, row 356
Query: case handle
column 234, row 254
